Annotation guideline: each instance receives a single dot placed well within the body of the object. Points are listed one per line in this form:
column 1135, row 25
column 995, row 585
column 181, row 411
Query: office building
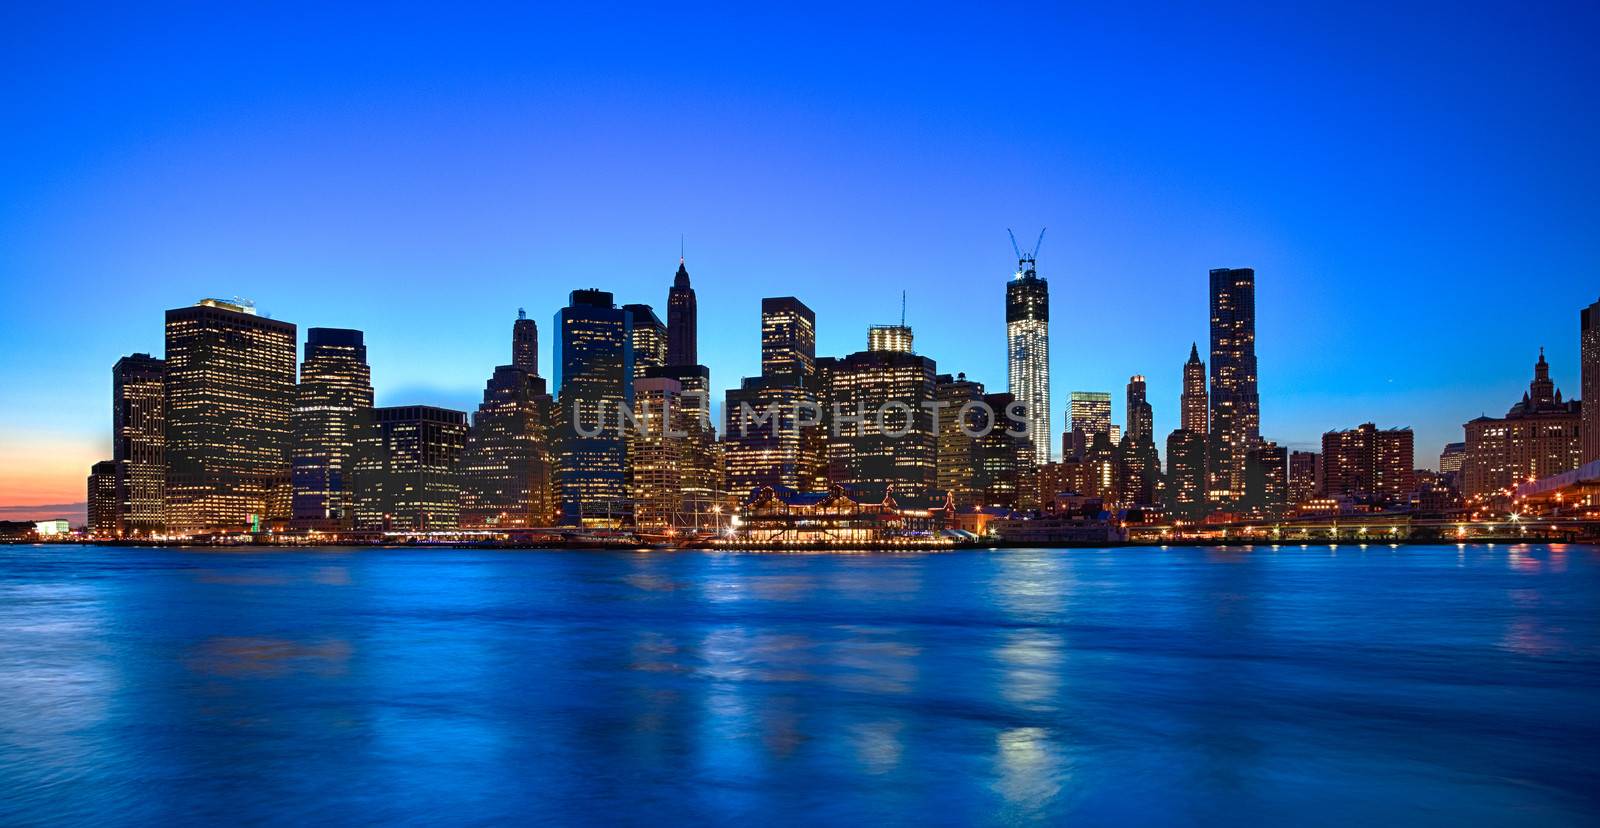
column 335, row 390
column 682, row 324
column 594, row 381
column 405, row 473
column 1089, row 414
column 1540, row 436
column 1193, row 401
column 139, row 445
column 1028, row 350
column 1186, row 475
column 768, row 440
column 657, row 450
column 1002, row 458
column 506, row 477
column 230, row 385
column 881, row 438
column 1267, row 480
column 649, row 339
column 1235, row 403
column 102, row 505
column 957, row 399
column 525, row 343
column 788, row 337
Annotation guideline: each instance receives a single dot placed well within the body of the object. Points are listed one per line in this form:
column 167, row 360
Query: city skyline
column 1369, row 253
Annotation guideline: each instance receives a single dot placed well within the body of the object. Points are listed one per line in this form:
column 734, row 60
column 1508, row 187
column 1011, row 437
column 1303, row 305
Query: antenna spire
column 903, row 314
column 680, row 248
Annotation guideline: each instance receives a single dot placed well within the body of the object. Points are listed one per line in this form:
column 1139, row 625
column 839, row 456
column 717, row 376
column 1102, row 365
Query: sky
column 1414, row 187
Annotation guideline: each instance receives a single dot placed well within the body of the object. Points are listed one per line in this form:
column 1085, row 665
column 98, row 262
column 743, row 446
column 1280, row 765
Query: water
column 1135, row 686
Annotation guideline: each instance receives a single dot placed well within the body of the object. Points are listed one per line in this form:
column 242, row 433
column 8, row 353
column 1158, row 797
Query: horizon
column 424, row 202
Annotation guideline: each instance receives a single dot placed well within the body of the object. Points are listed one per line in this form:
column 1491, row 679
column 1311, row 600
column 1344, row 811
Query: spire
column 1194, row 352
column 522, row 314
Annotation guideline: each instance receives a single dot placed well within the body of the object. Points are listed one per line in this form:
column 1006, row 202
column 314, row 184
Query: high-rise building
column 788, row 337
column 1186, row 475
column 1001, row 457
column 1235, row 403
column 1267, row 479
column 681, row 320
column 1141, row 419
column 505, row 471
column 335, row 390
column 525, row 343
column 958, row 450
column 881, row 438
column 405, row 473
column 657, row 452
column 649, row 339
column 1589, row 380
column 230, row 380
column 1193, row 401
column 701, row 482
column 1305, row 477
column 889, row 338
column 765, row 433
column 1028, row 350
column 103, row 499
column 594, row 379
column 1089, row 414
column 1452, row 458
column 139, row 444
column 1369, row 464
column 1541, row 435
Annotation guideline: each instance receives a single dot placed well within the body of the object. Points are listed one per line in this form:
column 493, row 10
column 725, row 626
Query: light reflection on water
column 1452, row 683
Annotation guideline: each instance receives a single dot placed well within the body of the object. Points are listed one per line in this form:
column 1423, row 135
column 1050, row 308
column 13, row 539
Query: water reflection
column 970, row 688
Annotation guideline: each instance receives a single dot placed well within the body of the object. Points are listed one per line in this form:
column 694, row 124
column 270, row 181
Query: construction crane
column 1031, row 256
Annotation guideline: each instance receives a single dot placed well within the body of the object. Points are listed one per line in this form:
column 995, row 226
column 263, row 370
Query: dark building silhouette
column 594, row 379
column 404, row 473
column 335, row 390
column 230, row 381
column 682, row 333
column 1002, row 458
column 138, row 445
column 1186, row 475
column 1266, row 480
column 788, row 337
column 1235, row 403
column 103, row 499
column 1141, row 462
column 525, row 343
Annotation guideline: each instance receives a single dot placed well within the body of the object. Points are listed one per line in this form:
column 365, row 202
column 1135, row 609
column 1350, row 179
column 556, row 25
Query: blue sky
column 1415, row 188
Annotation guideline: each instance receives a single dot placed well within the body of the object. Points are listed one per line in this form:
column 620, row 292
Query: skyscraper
column 681, row 320
column 788, row 337
column 1235, row 404
column 657, row 451
column 1186, row 474
column 405, row 468
column 594, row 378
column 505, row 471
column 699, row 472
column 1089, row 414
column 649, row 339
column 1266, row 479
column 1141, row 419
column 102, row 512
column 1028, row 350
column 890, row 338
column 335, row 390
column 875, row 454
column 1141, row 463
column 230, row 396
column 138, row 444
column 525, row 343
column 1589, row 379
column 958, row 450
column 1193, row 401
